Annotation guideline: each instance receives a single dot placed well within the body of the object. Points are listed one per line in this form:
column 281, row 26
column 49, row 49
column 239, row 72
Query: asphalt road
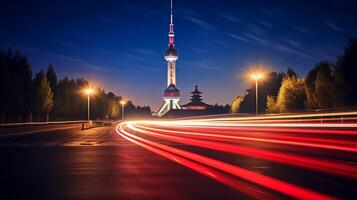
column 261, row 159
column 97, row 163
column 64, row 162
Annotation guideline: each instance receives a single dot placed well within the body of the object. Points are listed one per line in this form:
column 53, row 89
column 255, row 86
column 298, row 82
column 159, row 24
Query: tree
column 218, row 109
column 52, row 78
column 61, row 107
column 113, row 106
column 291, row 73
column 15, row 77
column 326, row 93
column 272, row 106
column 5, row 82
column 23, row 77
column 269, row 86
column 42, row 95
column 236, row 104
column 292, row 95
column 345, row 75
column 321, row 88
column 136, row 111
column 310, row 89
column 21, row 95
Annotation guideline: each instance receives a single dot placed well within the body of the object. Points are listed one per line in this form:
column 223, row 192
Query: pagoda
column 196, row 101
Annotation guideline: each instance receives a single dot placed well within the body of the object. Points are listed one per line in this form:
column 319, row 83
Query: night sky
column 119, row 45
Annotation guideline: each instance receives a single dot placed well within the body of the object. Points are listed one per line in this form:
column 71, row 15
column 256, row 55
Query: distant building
column 196, row 101
column 197, row 107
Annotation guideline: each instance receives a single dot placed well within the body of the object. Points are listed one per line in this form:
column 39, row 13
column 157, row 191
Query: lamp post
column 122, row 103
column 88, row 91
column 256, row 76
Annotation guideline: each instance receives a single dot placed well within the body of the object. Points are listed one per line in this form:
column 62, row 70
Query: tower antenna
column 171, row 13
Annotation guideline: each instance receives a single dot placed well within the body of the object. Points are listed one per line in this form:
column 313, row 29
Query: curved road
column 262, row 159
column 181, row 159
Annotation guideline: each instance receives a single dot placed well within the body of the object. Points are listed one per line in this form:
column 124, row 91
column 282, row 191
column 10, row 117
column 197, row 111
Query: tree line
column 41, row 97
column 329, row 85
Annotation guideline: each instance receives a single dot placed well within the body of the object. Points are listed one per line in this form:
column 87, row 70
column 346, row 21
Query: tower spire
column 172, row 21
column 171, row 32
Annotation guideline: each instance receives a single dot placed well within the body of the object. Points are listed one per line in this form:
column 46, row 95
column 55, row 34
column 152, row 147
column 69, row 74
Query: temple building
column 196, row 101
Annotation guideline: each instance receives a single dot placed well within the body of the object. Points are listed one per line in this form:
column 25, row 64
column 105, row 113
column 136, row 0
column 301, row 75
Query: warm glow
column 89, row 91
column 122, row 102
column 256, row 72
column 257, row 76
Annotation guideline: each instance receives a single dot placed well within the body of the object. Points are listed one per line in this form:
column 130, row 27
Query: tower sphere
column 171, row 92
column 171, row 54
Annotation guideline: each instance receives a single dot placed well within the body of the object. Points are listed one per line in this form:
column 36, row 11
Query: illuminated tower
column 171, row 93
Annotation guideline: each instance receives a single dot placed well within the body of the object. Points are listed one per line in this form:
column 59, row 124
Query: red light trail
column 276, row 142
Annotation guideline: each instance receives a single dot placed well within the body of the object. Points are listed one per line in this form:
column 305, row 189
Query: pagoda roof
column 196, row 91
column 196, row 101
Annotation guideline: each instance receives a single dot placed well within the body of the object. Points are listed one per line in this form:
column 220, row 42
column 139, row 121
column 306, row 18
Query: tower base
column 170, row 103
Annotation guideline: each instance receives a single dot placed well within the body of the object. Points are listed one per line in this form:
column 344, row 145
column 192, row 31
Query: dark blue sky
column 119, row 45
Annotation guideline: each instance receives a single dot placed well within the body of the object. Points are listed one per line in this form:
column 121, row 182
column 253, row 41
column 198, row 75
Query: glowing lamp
column 89, row 91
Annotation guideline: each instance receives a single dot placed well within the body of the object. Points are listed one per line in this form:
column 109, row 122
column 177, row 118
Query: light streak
column 206, row 171
column 292, row 140
column 281, row 117
column 268, row 182
column 276, row 125
column 229, row 138
column 279, row 129
column 283, row 134
column 294, row 160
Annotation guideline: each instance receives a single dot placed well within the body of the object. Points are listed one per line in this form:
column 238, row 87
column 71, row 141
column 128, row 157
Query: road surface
column 261, row 158
column 189, row 159
column 67, row 163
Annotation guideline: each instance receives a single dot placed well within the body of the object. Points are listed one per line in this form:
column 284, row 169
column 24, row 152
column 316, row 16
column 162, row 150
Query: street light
column 256, row 76
column 88, row 91
column 122, row 103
